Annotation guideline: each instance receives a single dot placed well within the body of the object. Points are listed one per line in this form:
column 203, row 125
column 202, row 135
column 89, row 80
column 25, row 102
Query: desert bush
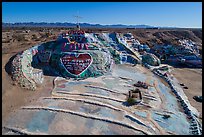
column 19, row 37
column 131, row 101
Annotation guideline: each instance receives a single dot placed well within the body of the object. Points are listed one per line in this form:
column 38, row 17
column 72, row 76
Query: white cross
column 77, row 18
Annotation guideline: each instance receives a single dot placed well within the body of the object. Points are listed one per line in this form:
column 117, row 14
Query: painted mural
column 76, row 63
column 72, row 55
column 44, row 57
column 74, row 46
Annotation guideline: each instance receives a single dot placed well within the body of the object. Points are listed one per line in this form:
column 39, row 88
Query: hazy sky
column 173, row 14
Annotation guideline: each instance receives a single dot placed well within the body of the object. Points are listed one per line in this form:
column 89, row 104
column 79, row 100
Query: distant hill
column 66, row 24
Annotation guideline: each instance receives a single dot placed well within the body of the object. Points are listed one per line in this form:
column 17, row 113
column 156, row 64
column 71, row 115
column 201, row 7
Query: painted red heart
column 76, row 64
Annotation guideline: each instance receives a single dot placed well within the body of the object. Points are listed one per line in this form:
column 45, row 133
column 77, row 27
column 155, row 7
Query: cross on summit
column 77, row 18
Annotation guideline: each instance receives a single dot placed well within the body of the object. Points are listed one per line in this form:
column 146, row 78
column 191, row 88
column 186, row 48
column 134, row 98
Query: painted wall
column 83, row 64
column 68, row 58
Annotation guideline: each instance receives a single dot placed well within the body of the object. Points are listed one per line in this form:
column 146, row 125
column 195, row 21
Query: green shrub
column 131, row 101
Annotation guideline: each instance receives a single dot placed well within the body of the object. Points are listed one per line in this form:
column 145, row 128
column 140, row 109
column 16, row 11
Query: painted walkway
column 98, row 106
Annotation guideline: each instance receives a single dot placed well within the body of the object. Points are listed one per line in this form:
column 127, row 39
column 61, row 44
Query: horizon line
column 104, row 24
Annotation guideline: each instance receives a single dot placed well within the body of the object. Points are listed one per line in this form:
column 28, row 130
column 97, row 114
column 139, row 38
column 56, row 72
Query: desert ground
column 192, row 78
column 16, row 40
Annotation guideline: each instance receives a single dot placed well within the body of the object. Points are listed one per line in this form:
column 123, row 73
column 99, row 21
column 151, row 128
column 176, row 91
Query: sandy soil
column 13, row 97
column 192, row 78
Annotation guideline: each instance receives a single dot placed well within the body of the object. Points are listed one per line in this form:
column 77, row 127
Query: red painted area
column 76, row 65
column 78, row 46
column 61, row 86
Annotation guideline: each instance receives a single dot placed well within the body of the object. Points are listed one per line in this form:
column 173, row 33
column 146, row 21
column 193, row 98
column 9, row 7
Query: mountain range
column 66, row 24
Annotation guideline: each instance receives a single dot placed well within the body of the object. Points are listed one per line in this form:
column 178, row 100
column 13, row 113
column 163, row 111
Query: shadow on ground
column 8, row 65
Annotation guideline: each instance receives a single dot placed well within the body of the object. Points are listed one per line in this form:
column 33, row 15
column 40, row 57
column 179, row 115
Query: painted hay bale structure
column 22, row 71
column 70, row 56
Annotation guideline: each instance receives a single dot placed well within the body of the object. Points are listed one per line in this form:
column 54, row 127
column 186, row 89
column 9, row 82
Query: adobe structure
column 70, row 56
